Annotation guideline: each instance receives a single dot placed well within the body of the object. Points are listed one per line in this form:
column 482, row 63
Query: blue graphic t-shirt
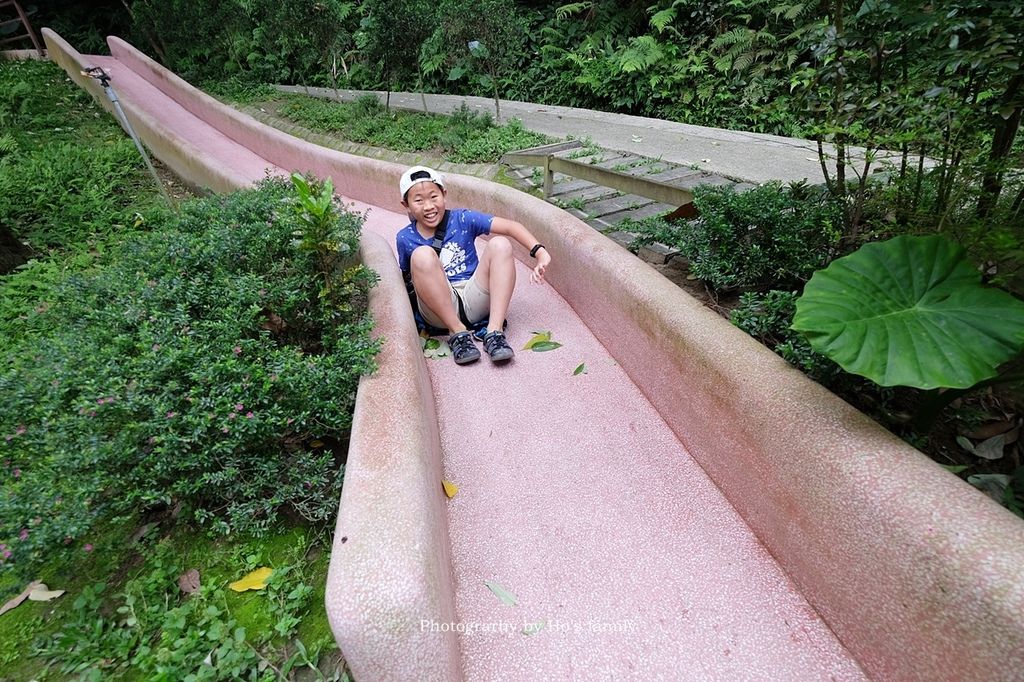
column 458, row 251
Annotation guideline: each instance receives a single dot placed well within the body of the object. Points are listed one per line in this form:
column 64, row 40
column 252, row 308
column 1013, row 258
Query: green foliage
column 37, row 96
column 85, row 25
column 202, row 365
column 307, row 37
column 481, row 38
column 68, row 174
column 256, row 41
column 944, row 83
column 201, row 39
column 767, row 317
column 391, row 35
column 147, row 627
column 238, row 89
column 762, row 238
column 465, row 137
column 67, row 192
column 910, row 312
column 660, row 60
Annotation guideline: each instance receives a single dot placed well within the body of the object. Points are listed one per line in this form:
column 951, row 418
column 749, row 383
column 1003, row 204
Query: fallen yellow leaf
column 449, row 488
column 256, row 580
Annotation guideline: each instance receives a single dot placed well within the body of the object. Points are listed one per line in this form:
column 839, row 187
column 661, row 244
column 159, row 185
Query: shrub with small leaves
column 767, row 317
column 202, row 366
column 766, row 237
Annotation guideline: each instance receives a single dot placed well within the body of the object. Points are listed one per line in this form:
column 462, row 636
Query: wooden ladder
column 22, row 19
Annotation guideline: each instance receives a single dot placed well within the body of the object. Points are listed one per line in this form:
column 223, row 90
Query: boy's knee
column 424, row 257
column 500, row 245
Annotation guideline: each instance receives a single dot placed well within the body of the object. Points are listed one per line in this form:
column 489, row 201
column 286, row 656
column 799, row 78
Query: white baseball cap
column 406, row 183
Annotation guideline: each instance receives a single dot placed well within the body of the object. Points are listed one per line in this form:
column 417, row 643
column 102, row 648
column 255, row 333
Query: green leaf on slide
column 538, row 337
column 501, row 593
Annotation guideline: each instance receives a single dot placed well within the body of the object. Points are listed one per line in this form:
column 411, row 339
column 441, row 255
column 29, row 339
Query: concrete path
column 750, row 157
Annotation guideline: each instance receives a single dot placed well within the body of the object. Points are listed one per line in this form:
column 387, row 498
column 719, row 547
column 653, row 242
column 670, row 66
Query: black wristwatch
column 533, row 251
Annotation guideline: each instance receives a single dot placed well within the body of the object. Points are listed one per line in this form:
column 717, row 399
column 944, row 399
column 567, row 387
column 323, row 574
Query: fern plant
column 8, row 145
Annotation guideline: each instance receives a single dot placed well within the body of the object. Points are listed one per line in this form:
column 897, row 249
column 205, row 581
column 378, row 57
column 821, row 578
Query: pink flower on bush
column 23, row 535
column 156, row 346
column 17, row 473
column 239, row 407
column 20, row 430
column 249, row 415
column 87, row 548
column 232, row 415
column 6, row 554
column 170, row 415
column 237, row 350
column 224, row 429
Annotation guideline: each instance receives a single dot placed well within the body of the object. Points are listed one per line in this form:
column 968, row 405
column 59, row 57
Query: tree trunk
column 12, row 252
column 1002, row 144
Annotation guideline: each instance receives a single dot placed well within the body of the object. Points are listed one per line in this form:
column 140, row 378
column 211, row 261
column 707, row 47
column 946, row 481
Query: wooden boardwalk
column 605, row 208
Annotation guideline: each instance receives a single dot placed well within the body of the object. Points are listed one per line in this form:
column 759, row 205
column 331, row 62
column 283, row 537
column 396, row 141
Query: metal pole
column 104, row 78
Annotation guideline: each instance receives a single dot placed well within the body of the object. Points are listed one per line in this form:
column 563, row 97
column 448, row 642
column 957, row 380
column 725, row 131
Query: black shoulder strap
column 439, row 233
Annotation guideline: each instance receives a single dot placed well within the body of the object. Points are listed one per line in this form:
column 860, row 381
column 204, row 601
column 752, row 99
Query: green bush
column 767, row 317
column 464, row 137
column 763, row 238
column 203, row 366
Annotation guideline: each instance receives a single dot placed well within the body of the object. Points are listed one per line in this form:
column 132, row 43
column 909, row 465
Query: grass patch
column 463, row 137
column 125, row 617
column 69, row 177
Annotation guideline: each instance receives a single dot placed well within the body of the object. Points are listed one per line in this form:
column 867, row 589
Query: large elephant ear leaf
column 910, row 311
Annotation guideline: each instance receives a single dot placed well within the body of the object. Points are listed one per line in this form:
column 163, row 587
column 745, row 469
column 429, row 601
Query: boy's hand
column 543, row 261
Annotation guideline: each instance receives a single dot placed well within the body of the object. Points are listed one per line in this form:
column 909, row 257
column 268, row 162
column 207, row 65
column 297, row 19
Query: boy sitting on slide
column 453, row 288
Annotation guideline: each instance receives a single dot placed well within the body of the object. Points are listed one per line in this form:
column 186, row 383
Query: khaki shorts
column 476, row 303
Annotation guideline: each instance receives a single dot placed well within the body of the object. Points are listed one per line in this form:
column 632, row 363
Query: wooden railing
column 544, row 156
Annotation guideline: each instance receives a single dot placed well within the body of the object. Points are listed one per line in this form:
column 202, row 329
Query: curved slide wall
column 916, row 573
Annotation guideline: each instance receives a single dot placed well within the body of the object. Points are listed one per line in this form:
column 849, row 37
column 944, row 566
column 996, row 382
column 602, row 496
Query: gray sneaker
column 497, row 347
column 464, row 350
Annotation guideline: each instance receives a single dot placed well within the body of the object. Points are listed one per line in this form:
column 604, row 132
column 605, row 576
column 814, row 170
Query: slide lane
column 577, row 497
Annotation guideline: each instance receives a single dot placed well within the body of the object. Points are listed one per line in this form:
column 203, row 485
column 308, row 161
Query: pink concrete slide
column 686, row 507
